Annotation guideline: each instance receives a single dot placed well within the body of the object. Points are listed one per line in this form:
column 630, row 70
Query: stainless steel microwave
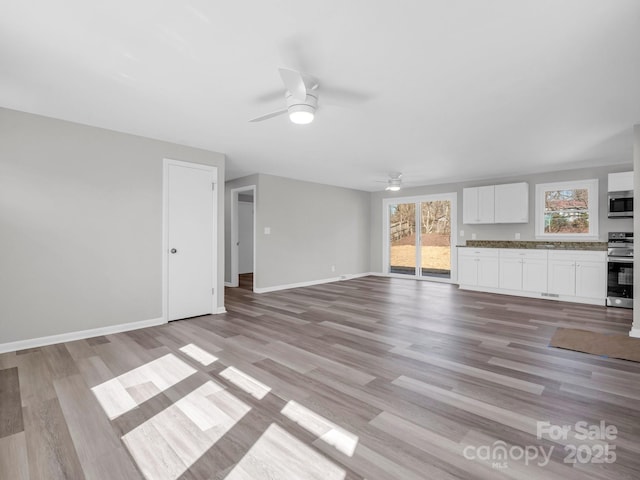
column 621, row 204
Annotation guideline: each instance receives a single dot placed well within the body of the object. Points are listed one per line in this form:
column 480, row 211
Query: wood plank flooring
column 372, row 378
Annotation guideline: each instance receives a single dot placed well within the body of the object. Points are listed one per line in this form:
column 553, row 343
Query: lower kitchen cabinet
column 570, row 275
column 562, row 277
column 578, row 273
column 524, row 270
column 478, row 267
column 591, row 279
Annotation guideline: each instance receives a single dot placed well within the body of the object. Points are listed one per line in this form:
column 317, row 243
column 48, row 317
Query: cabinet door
column 467, row 270
column 620, row 181
column 470, row 205
column 511, row 273
column 591, row 279
column 512, row 203
column 534, row 275
column 562, row 277
column 486, row 204
column 488, row 272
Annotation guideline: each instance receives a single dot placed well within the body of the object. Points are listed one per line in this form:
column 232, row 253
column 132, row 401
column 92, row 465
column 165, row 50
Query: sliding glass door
column 419, row 235
column 435, row 238
column 402, row 233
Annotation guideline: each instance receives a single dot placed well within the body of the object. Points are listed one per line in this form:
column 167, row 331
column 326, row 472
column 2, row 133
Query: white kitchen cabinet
column 478, row 267
column 620, row 182
column 578, row 273
column 478, row 205
column 512, row 203
column 591, row 279
column 523, row 270
column 511, row 272
column 534, row 274
column 562, row 277
column 568, row 275
column 508, row 203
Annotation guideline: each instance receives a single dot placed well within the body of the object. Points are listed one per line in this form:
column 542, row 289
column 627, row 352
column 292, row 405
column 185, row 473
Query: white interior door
column 191, row 244
column 245, row 237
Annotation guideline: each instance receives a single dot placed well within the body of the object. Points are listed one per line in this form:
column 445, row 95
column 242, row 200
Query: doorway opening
column 419, row 237
column 243, row 236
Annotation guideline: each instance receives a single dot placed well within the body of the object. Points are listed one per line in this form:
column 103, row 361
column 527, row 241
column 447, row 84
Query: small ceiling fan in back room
column 393, row 181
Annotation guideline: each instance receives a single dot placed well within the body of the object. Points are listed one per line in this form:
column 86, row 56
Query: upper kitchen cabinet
column 478, row 205
column 512, row 203
column 507, row 203
column 620, row 182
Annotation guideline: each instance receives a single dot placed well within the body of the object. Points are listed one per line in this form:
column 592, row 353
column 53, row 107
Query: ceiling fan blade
column 344, row 96
column 294, row 82
column 268, row 115
column 269, row 97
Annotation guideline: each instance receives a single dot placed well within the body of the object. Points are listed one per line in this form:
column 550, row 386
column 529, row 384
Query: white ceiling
column 450, row 89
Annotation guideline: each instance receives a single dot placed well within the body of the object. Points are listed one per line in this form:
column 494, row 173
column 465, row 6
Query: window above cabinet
column 567, row 210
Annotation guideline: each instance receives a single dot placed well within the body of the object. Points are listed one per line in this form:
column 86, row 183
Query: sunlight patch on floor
column 125, row 392
column 198, row 354
column 332, row 434
column 166, row 445
column 279, row 455
column 245, row 382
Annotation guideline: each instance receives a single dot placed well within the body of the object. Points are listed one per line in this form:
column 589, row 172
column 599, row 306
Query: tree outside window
column 568, row 209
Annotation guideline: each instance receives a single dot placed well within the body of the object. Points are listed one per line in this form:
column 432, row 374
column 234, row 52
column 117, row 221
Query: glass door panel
column 435, row 239
column 402, row 238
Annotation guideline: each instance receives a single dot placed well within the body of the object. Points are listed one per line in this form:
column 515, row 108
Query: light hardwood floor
column 371, row 378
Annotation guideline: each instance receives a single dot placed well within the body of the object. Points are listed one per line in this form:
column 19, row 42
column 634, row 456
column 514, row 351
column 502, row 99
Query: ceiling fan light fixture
column 394, row 183
column 301, row 114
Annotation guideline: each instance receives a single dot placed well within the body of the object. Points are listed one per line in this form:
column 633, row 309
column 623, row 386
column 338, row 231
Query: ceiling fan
column 301, row 96
column 394, row 181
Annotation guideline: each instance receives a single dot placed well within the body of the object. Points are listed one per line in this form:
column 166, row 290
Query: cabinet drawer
column 523, row 253
column 478, row 252
column 578, row 255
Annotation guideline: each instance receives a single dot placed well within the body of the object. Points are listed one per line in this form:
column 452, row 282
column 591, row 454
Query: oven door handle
column 620, row 259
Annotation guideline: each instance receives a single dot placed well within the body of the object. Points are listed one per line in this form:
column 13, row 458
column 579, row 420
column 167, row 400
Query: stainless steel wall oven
column 620, row 270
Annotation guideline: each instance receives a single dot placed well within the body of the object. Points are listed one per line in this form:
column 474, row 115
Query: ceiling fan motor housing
column 309, row 104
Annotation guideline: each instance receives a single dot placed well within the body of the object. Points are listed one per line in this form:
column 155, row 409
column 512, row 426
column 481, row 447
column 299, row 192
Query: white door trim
column 235, row 281
column 452, row 197
column 166, row 162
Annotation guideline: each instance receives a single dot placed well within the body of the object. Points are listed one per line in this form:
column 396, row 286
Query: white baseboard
column 221, row 310
column 635, row 332
column 310, row 283
column 601, row 302
column 79, row 335
column 377, row 274
column 228, row 284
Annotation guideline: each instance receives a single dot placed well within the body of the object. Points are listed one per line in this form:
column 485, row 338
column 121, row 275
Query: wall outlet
column 473, row 236
column 267, row 230
column 462, row 233
column 333, row 268
column 517, row 236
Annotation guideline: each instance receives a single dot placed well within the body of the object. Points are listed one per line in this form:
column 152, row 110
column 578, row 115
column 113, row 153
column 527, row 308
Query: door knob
column 173, row 250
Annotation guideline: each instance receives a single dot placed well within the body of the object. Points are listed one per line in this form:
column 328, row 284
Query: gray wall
column 313, row 227
column 505, row 231
column 81, row 225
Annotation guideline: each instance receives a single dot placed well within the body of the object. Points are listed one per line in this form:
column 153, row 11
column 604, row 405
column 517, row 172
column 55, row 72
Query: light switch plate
column 462, row 233
column 517, row 236
column 267, row 230
column 473, row 236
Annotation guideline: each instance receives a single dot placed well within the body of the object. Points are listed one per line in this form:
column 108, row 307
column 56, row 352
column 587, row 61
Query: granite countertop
column 541, row 244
